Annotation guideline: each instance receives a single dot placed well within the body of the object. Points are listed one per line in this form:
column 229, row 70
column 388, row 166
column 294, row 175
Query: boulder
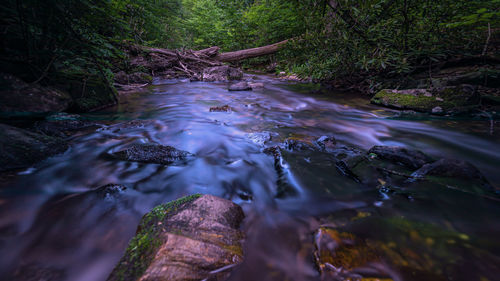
column 192, row 238
column 221, row 73
column 17, row 96
column 410, row 158
column 20, row 148
column 446, row 100
column 152, row 153
column 240, row 86
column 256, row 85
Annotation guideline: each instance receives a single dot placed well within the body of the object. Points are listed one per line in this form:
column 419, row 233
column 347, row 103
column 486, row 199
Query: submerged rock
column 451, row 168
column 20, row 148
column 222, row 73
column 240, row 86
column 446, row 100
column 17, row 96
column 283, row 186
column 327, row 143
column 192, row 238
column 410, row 158
column 152, row 153
column 225, row 108
column 337, row 254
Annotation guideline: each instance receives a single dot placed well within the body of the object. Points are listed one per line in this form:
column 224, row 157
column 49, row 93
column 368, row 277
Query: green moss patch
column 142, row 248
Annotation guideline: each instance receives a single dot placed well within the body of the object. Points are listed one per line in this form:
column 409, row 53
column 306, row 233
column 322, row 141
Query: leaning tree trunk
column 251, row 53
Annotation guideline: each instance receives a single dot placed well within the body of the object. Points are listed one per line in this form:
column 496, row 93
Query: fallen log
column 251, row 53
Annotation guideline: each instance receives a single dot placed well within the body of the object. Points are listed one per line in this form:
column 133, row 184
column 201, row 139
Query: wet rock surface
column 410, row 158
column 221, row 74
column 20, row 148
column 152, row 153
column 224, row 108
column 240, row 86
column 192, row 238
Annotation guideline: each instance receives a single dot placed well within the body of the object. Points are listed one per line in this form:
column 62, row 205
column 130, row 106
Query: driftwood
column 191, row 63
column 251, row 53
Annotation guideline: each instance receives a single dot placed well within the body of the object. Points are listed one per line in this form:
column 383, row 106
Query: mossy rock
column 440, row 101
column 186, row 239
column 89, row 92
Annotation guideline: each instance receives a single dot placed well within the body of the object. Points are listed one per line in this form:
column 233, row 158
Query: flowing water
column 44, row 223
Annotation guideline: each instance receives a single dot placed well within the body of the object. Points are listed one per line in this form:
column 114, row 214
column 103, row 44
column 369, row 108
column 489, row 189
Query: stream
column 46, row 227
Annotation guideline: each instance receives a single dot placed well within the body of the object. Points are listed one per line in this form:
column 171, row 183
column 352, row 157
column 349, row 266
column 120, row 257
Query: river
column 42, row 225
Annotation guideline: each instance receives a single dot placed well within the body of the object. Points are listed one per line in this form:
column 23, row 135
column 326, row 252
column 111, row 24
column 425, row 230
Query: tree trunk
column 251, row 53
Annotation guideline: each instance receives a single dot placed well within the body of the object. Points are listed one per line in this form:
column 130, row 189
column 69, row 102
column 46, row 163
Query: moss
column 449, row 99
column 143, row 246
column 89, row 92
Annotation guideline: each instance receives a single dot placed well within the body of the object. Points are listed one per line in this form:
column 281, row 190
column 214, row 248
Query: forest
column 332, row 140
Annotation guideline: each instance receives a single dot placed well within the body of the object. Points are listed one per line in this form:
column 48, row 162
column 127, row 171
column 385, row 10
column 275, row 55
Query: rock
column 221, row 73
column 62, row 125
column 451, row 168
column 327, row 143
column 410, row 158
column 283, row 186
column 255, row 85
column 346, row 159
column 297, row 145
column 134, row 78
column 337, row 254
column 17, row 96
column 240, row 86
column 89, row 93
column 192, row 238
column 152, row 154
column 224, row 108
column 454, row 99
column 20, row 148
column 437, row 110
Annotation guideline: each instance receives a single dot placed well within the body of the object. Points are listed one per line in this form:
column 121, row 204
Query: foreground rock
column 152, row 153
column 192, row 238
column 240, row 86
column 222, row 73
column 20, row 148
column 18, row 97
column 442, row 101
column 410, row 158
